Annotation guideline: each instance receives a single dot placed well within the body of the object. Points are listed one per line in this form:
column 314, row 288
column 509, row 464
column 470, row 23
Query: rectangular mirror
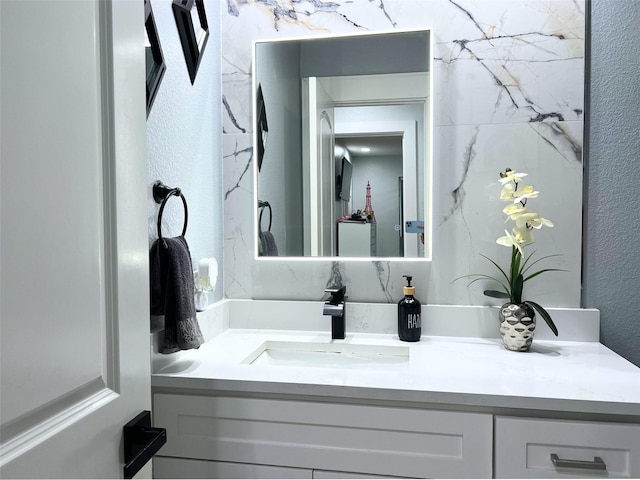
column 344, row 167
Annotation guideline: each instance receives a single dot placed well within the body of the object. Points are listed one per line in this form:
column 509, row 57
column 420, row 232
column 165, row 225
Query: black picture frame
column 262, row 126
column 154, row 59
column 193, row 29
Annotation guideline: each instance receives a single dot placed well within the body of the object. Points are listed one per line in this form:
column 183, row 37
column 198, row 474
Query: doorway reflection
column 377, row 162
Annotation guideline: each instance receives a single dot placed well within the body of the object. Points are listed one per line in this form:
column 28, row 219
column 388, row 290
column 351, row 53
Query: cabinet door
column 524, row 448
column 164, row 467
column 328, row 474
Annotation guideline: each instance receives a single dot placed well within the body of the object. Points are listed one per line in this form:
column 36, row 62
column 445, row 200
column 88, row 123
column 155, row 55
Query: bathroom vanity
column 270, row 402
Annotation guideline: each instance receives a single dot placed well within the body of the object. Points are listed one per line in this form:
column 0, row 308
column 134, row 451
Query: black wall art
column 191, row 20
column 153, row 54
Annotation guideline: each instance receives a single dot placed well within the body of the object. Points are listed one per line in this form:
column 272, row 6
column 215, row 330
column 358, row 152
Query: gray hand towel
column 268, row 245
column 172, row 291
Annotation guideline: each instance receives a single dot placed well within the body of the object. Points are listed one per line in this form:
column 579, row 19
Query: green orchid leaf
column 496, row 294
column 526, row 260
column 539, row 260
column 476, row 280
column 514, row 271
column 498, row 267
column 468, row 276
column 517, row 289
column 481, row 276
column 462, row 276
column 516, row 266
column 545, row 315
column 542, row 271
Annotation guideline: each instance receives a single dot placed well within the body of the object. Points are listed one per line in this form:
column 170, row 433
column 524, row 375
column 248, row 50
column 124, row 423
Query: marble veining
column 557, row 136
column 383, row 277
column 508, row 92
column 458, row 193
column 245, row 152
column 230, row 115
column 335, row 277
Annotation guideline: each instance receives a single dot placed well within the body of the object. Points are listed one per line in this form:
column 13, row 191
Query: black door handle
column 141, row 442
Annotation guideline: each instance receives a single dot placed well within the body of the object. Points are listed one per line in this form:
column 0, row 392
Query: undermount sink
column 342, row 355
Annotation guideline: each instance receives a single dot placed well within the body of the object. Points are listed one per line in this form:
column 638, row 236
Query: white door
column 318, row 169
column 74, row 278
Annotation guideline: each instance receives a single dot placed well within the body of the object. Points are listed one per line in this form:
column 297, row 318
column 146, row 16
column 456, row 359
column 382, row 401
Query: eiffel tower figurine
column 368, row 209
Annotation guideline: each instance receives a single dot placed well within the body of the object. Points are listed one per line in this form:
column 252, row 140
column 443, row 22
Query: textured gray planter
column 517, row 324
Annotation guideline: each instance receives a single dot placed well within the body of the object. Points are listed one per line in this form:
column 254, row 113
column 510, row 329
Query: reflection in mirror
column 348, row 163
column 376, row 161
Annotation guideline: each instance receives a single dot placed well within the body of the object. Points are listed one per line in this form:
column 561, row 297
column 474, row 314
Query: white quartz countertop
column 562, row 376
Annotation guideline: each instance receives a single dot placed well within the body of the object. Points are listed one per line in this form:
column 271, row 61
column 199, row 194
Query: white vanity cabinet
column 169, row 467
column 460, row 407
column 332, row 439
column 211, row 436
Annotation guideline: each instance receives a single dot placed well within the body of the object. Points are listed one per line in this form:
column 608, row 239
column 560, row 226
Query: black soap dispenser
column 409, row 314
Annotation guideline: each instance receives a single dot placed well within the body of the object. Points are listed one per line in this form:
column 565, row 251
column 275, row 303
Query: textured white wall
column 611, row 257
column 183, row 140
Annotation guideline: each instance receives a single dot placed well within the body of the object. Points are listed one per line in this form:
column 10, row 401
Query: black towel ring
column 262, row 205
column 162, row 193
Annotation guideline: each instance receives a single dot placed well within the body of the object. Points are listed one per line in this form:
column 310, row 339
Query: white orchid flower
column 523, row 236
column 514, row 211
column 510, row 176
column 539, row 222
column 518, row 238
column 508, row 192
column 532, row 219
column 525, row 192
column 508, row 241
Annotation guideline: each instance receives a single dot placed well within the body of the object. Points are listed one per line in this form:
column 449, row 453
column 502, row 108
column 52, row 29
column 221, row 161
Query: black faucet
column 334, row 306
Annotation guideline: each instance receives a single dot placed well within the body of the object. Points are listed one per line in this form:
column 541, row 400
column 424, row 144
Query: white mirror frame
column 349, row 95
column 355, row 273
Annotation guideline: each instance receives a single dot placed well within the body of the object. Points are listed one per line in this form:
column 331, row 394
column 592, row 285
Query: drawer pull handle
column 596, row 464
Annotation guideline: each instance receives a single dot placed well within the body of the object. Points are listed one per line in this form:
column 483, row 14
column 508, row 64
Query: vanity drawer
column 164, row 467
column 523, row 448
column 327, row 436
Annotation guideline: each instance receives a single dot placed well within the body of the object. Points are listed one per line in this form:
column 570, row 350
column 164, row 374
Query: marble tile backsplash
column 508, row 85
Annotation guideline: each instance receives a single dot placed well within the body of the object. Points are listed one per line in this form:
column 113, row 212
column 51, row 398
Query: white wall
column 183, row 140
